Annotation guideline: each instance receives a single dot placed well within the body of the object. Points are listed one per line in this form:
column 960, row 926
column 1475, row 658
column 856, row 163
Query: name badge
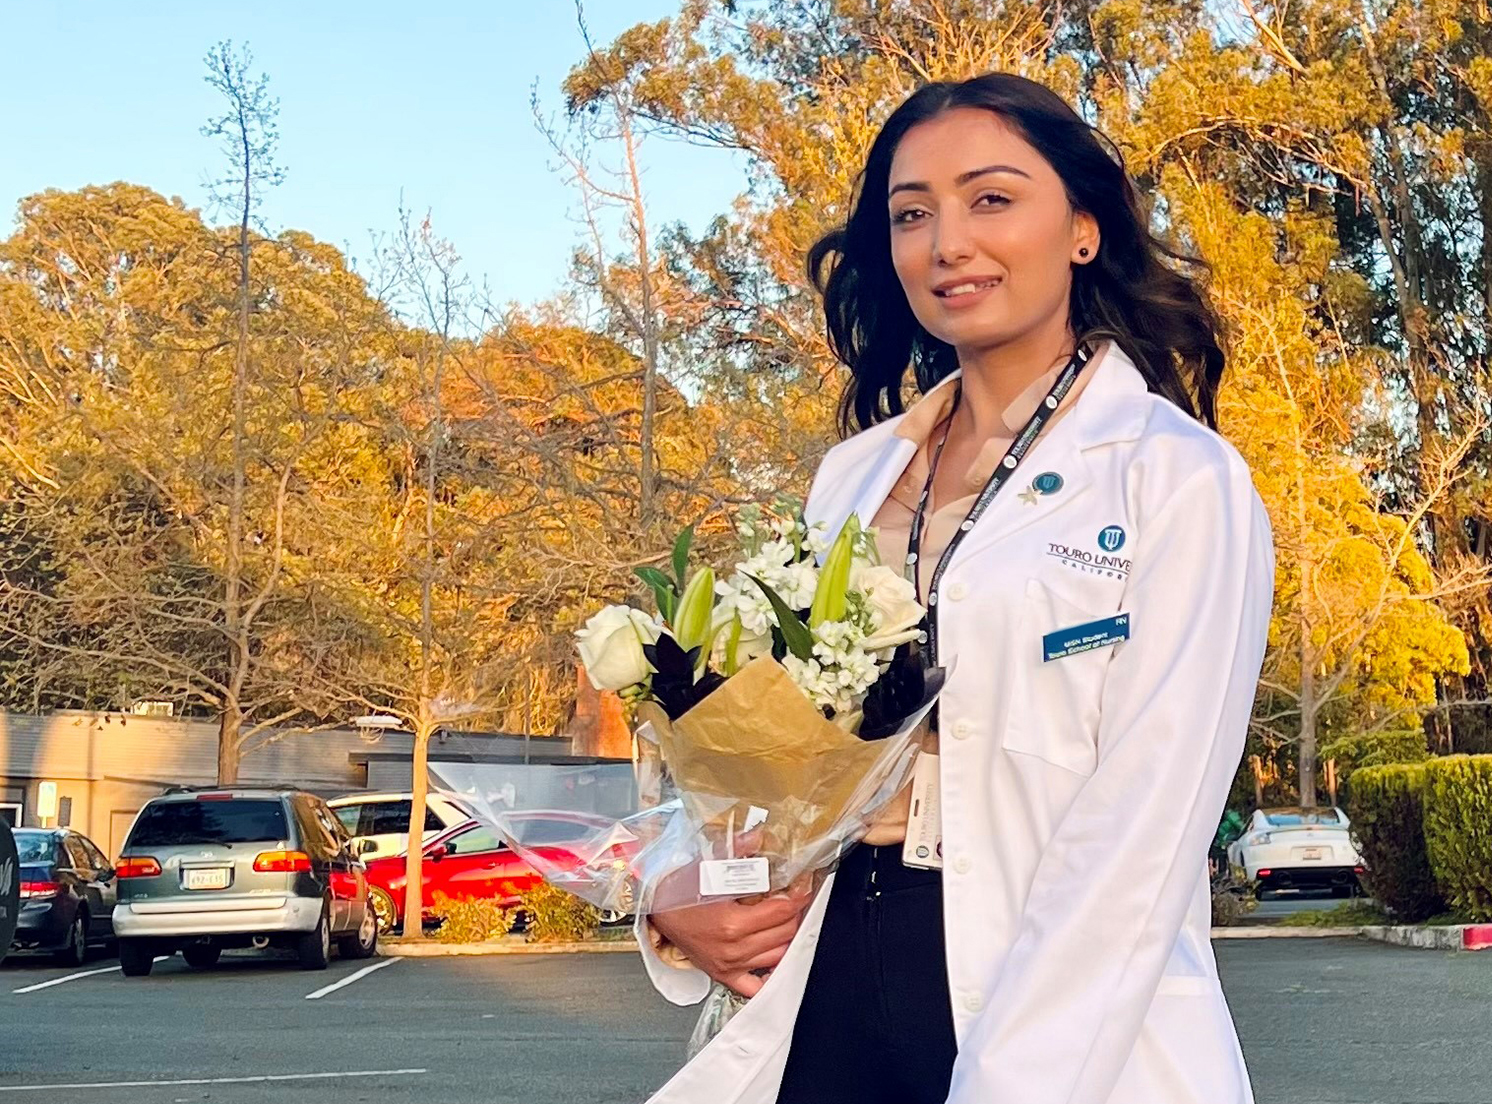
column 1084, row 638
column 924, row 843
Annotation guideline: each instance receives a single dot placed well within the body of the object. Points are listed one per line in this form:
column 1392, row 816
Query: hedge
column 467, row 920
column 1387, row 812
column 555, row 916
column 1458, row 831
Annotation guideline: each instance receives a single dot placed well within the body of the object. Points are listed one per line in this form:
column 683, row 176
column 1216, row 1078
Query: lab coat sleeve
column 1112, row 888
column 676, row 980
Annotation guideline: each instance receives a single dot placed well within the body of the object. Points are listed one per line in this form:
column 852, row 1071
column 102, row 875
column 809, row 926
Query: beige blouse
column 925, row 424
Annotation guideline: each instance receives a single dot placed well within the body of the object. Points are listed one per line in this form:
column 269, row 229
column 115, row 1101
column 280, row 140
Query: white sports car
column 1296, row 848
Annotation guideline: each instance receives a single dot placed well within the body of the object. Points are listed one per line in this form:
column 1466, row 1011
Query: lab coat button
column 962, row 730
column 957, row 591
column 973, row 1002
column 962, row 864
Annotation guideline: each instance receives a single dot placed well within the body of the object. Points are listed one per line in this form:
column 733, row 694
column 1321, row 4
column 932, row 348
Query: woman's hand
column 729, row 940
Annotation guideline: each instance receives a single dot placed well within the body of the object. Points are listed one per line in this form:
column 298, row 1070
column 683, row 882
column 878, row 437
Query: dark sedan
column 67, row 894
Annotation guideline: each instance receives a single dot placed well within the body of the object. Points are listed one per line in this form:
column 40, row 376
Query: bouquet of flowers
column 777, row 709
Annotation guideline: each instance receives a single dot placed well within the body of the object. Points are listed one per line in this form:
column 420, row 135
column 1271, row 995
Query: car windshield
column 36, row 847
column 1289, row 818
column 180, row 823
column 348, row 815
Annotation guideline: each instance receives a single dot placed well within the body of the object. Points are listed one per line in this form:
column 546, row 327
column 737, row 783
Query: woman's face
column 982, row 236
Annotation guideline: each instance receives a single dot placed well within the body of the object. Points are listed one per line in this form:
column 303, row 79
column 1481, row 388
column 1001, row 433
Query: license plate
column 215, row 877
column 1309, row 853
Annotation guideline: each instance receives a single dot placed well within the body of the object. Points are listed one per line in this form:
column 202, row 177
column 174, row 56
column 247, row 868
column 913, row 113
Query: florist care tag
column 733, row 877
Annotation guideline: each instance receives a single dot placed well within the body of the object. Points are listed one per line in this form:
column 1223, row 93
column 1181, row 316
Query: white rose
column 610, row 647
column 893, row 606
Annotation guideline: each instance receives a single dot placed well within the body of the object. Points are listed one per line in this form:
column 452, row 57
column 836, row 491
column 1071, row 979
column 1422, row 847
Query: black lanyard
column 998, row 478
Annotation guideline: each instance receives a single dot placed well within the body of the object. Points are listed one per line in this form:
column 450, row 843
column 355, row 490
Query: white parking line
column 213, row 1080
column 61, row 980
column 350, row 978
column 75, row 977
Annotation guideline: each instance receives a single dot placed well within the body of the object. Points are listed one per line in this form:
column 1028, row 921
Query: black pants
column 876, row 1024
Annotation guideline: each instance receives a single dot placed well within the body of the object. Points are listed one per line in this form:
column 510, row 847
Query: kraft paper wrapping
column 758, row 741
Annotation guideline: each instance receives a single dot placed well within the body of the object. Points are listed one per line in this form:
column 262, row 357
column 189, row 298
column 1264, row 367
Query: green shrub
column 1458, row 831
column 470, row 921
column 555, row 916
column 1349, row 915
column 1229, row 906
column 1387, row 811
column 1355, row 750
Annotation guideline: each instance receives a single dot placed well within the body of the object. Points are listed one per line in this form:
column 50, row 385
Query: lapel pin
column 1047, row 483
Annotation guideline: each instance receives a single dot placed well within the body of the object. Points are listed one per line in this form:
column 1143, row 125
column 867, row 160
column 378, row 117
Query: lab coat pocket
column 1054, row 705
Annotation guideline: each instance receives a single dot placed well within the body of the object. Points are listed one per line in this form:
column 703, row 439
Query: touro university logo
column 1101, row 562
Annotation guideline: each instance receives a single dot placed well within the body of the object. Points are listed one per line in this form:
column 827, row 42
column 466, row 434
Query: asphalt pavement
column 1322, row 1021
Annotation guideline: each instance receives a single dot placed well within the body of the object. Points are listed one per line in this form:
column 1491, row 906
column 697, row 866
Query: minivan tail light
column 39, row 891
column 282, row 862
column 144, row 867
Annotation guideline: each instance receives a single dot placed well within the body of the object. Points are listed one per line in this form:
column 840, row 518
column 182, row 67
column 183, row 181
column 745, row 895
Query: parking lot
column 546, row 1029
column 1323, row 1022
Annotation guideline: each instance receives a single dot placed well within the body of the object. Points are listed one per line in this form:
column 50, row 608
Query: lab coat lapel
column 883, row 466
column 882, row 475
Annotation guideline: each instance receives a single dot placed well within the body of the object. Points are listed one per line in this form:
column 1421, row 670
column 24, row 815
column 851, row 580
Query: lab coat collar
column 1113, row 407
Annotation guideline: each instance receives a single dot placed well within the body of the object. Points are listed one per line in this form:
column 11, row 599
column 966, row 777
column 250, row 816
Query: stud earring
column 1083, row 252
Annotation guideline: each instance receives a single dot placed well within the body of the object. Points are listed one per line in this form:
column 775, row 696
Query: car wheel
column 136, row 957
column 314, row 948
column 75, row 951
column 364, row 942
column 201, row 956
column 384, row 908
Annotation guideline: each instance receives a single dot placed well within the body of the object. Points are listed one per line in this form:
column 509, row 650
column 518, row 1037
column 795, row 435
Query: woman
column 1100, row 574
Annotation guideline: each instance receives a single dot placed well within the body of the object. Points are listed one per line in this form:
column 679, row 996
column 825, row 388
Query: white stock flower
column 795, row 583
column 610, row 647
column 895, row 611
column 740, row 596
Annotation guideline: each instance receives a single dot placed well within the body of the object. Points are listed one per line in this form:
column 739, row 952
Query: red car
column 469, row 861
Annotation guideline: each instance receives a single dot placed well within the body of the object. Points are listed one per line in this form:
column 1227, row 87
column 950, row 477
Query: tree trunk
column 649, row 322
column 229, row 748
column 414, row 905
column 1307, row 760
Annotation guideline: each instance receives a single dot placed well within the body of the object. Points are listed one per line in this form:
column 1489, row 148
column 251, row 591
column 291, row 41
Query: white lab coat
column 1080, row 794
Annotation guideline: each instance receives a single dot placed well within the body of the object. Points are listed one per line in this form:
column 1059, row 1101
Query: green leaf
column 681, row 554
column 795, row 634
column 663, row 590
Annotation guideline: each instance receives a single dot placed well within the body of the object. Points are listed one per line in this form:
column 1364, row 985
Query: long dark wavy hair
column 1156, row 311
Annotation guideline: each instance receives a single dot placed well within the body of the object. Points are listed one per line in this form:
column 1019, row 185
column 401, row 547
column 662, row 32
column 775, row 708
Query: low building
column 105, row 766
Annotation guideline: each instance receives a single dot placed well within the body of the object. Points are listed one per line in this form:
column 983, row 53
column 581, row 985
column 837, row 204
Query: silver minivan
column 206, row 870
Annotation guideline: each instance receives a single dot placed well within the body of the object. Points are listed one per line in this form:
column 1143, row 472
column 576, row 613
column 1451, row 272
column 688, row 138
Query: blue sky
column 376, row 98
